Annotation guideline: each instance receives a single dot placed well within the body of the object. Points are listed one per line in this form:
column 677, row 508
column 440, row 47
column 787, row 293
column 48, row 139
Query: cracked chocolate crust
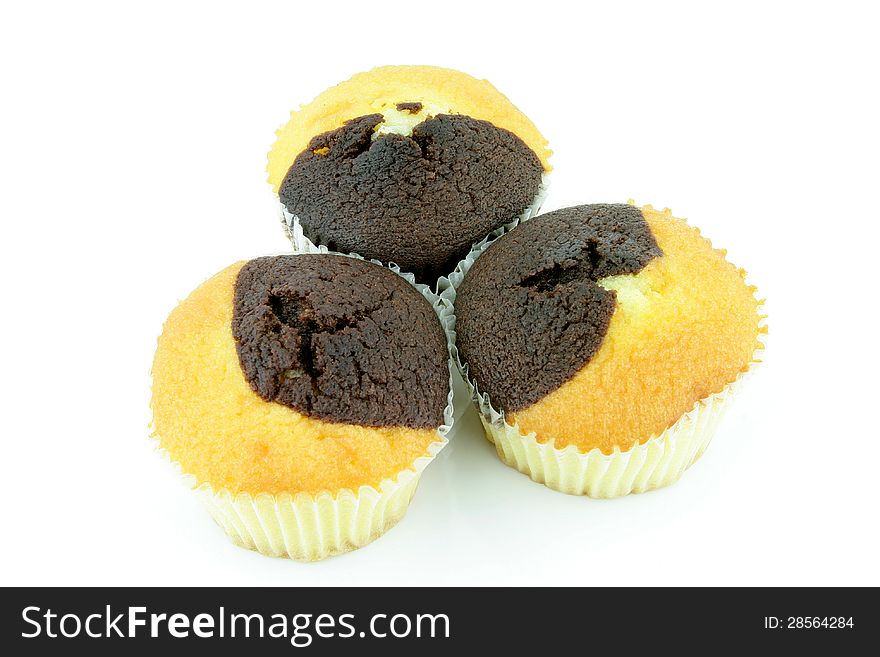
column 412, row 108
column 419, row 201
column 341, row 340
column 529, row 313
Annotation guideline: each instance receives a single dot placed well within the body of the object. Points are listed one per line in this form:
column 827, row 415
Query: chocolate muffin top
column 529, row 313
column 341, row 340
column 421, row 200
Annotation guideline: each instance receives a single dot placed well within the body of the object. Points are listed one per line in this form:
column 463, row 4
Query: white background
column 132, row 154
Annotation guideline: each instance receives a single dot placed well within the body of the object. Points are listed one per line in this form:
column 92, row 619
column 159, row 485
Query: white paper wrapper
column 309, row 527
column 657, row 462
column 302, row 244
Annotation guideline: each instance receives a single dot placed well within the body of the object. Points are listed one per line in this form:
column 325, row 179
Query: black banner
column 433, row 621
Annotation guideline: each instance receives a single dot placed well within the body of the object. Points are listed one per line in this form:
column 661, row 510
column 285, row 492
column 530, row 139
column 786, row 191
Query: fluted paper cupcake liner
column 308, row 527
column 654, row 463
column 302, row 244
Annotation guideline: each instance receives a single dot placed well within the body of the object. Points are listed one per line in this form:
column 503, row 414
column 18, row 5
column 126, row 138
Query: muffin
column 603, row 342
column 408, row 165
column 303, row 395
